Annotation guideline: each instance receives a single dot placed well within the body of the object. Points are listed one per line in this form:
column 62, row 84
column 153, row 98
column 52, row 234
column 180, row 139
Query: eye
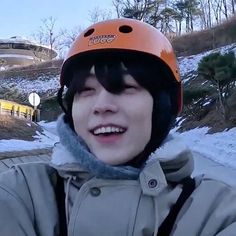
column 86, row 91
column 130, row 86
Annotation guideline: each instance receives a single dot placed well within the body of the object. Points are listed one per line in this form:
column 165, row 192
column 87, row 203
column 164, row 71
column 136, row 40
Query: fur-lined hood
column 72, row 155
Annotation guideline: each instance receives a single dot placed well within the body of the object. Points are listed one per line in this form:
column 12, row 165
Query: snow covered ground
column 219, row 147
column 214, row 154
column 45, row 140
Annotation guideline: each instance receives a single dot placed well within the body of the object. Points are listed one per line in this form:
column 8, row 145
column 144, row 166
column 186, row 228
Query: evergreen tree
column 221, row 71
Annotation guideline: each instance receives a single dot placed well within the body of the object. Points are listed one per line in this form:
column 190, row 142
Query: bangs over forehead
column 110, row 68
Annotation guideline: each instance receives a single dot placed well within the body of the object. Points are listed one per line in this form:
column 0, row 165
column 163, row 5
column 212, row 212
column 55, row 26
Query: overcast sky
column 24, row 17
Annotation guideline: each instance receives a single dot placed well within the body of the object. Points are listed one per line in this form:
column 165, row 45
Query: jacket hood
column 73, row 155
column 175, row 159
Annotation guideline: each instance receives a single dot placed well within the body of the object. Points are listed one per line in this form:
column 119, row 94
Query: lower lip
column 109, row 138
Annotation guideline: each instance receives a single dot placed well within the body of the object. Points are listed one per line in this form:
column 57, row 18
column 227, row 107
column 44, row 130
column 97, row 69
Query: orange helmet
column 126, row 35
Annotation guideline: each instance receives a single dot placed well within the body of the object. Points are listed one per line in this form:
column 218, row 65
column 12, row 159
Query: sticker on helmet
column 101, row 39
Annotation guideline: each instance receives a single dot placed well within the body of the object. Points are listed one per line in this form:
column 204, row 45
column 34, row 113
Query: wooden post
column 18, row 111
column 37, row 112
column 13, row 110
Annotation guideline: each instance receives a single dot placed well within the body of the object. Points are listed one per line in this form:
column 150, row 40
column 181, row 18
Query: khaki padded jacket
column 108, row 207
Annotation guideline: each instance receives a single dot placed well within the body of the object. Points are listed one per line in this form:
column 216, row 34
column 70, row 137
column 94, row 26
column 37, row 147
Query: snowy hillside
column 43, row 85
column 49, row 84
column 189, row 65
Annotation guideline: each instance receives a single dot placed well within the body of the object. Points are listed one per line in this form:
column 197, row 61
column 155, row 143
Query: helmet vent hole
column 125, row 29
column 89, row 32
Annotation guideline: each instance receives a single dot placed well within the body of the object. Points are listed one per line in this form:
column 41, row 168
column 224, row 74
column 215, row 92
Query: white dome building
column 17, row 51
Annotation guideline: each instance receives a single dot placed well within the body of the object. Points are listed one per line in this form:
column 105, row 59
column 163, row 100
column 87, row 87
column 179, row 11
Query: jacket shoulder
column 205, row 179
column 27, row 195
column 212, row 202
column 22, row 178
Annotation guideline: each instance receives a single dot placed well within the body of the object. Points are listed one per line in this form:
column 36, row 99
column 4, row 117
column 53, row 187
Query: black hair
column 149, row 72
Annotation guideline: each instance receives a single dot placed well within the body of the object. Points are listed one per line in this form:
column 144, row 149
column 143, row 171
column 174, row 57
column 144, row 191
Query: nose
column 105, row 103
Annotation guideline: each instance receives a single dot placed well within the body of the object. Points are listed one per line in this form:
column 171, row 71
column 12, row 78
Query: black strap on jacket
column 60, row 196
column 167, row 225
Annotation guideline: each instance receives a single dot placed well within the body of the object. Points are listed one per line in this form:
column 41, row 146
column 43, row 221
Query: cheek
column 75, row 116
column 145, row 110
column 147, row 116
column 147, row 121
column 78, row 117
column 141, row 118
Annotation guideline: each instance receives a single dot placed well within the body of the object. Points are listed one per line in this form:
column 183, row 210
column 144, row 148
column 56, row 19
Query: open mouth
column 108, row 131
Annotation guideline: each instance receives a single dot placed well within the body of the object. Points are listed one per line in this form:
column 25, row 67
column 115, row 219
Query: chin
column 107, row 159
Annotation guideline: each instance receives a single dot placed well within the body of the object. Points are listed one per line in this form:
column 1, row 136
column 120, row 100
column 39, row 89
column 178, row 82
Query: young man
column 116, row 171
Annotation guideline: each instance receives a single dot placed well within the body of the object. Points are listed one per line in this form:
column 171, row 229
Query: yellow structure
column 15, row 109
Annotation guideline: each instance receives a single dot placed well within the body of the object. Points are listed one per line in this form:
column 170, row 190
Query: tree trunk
column 180, row 27
column 209, row 14
column 233, row 9
column 191, row 23
column 213, row 39
column 225, row 9
column 221, row 100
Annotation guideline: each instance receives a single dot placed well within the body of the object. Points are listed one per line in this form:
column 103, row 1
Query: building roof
column 20, row 51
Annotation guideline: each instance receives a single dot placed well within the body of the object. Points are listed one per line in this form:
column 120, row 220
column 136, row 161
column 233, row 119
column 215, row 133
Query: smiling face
column 116, row 127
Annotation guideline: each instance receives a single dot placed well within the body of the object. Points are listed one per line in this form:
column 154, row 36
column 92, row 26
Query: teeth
column 109, row 129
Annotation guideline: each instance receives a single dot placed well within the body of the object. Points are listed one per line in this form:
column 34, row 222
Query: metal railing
column 16, row 109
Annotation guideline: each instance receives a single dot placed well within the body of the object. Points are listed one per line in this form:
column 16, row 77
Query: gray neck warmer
column 75, row 145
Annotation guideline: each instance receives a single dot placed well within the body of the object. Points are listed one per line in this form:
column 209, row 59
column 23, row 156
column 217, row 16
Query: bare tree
column 47, row 34
column 233, row 6
column 118, row 7
column 98, row 14
column 166, row 20
column 204, row 6
column 49, row 30
column 225, row 9
column 176, row 14
column 144, row 10
column 216, row 7
column 69, row 36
